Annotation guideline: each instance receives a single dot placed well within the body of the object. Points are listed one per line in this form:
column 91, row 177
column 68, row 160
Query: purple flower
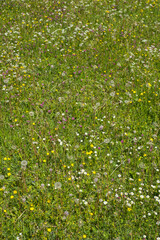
column 101, row 127
column 66, row 213
column 122, row 141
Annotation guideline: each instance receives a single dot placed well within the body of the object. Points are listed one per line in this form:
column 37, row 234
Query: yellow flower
column 69, row 178
column 49, row 229
column 94, row 172
column 15, row 192
column 52, row 151
column 92, row 145
column 44, row 160
column 33, row 123
column 8, row 169
column 15, row 120
column 5, row 158
column 9, row 174
column 32, row 208
column 5, row 210
column 139, row 180
column 11, row 196
column 47, row 154
column 84, row 236
column 129, row 209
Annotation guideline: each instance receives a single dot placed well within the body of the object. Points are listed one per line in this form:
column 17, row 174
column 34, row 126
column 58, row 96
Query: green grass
column 80, row 120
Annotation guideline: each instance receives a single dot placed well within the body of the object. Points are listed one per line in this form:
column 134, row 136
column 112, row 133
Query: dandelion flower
column 1, row 177
column 24, row 163
column 57, row 185
column 31, row 114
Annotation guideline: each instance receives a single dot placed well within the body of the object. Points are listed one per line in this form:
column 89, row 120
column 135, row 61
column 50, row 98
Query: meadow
column 80, row 108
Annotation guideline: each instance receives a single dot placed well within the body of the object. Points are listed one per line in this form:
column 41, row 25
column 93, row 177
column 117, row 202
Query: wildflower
column 107, row 140
column 101, row 127
column 129, row 209
column 31, row 208
column 9, row 174
column 15, row 192
column 31, row 114
column 1, row 177
column 49, row 229
column 11, row 196
column 66, row 213
column 84, row 236
column 24, row 163
column 57, row 185
column 96, row 180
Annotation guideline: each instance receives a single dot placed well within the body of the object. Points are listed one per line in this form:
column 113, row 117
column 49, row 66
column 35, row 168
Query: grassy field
column 80, row 108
